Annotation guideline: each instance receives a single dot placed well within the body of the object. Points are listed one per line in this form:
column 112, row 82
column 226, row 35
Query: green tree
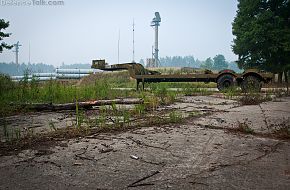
column 219, row 62
column 208, row 63
column 3, row 26
column 262, row 35
column 234, row 66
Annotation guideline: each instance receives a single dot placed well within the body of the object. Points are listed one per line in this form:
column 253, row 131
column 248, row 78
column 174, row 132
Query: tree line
column 217, row 63
column 14, row 69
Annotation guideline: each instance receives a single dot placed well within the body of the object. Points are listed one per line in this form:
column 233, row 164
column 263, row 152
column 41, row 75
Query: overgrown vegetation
column 232, row 92
column 282, row 130
column 100, row 86
column 244, row 127
column 106, row 117
column 175, row 117
column 254, row 98
column 53, row 92
column 103, row 86
column 249, row 98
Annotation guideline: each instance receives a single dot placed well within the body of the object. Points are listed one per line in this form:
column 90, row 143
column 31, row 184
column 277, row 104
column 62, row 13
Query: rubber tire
column 225, row 81
column 251, row 84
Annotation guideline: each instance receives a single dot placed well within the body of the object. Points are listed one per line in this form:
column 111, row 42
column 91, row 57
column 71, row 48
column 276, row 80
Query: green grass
column 186, row 85
column 93, row 87
column 54, row 92
column 175, row 117
column 13, row 94
column 231, row 92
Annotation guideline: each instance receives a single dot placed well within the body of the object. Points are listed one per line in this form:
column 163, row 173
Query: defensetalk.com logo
column 30, row 3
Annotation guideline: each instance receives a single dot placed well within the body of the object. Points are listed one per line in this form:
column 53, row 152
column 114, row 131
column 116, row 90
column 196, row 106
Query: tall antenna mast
column 119, row 47
column 133, row 61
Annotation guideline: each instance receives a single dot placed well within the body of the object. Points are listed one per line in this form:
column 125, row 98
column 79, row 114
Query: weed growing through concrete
column 254, row 98
column 244, row 127
column 52, row 126
column 17, row 132
column 139, row 109
column 126, row 117
column 175, row 117
column 194, row 113
column 282, row 130
column 231, row 92
column 195, row 91
column 6, row 131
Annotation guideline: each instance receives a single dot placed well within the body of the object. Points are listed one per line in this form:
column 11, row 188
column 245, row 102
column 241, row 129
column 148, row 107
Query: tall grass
column 94, row 87
column 53, row 92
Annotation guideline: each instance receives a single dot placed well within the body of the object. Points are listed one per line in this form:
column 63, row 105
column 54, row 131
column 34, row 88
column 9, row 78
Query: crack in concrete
column 220, row 167
column 265, row 118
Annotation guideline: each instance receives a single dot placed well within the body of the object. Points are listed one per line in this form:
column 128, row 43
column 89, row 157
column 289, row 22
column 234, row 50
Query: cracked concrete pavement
column 176, row 156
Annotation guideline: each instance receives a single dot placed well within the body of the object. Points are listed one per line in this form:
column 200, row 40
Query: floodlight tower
column 155, row 23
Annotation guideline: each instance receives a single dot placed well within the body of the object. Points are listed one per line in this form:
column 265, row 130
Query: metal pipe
column 77, row 71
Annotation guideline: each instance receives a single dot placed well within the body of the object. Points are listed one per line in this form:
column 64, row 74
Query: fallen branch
column 142, row 179
column 72, row 106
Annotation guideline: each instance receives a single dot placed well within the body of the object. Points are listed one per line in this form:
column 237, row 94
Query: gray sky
column 84, row 30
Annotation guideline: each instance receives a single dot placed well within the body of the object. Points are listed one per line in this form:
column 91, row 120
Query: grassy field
column 54, row 92
column 93, row 87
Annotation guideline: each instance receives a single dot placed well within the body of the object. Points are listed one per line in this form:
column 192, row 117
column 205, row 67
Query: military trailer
column 250, row 80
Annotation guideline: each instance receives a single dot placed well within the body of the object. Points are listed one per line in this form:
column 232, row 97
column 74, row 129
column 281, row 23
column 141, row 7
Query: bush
column 6, row 83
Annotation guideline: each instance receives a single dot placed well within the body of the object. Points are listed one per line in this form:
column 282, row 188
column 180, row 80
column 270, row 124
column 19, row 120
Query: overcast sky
column 80, row 31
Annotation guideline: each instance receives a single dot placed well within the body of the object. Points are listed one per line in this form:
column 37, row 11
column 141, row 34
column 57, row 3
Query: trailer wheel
column 251, row 84
column 225, row 81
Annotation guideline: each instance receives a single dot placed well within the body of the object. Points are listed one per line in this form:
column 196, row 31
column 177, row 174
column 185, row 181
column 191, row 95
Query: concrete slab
column 179, row 156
